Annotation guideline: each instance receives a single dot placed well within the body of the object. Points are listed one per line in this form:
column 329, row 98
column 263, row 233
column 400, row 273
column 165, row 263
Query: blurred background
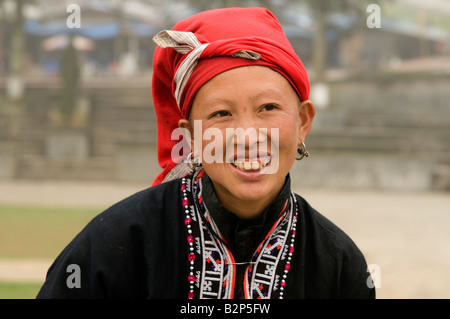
column 78, row 129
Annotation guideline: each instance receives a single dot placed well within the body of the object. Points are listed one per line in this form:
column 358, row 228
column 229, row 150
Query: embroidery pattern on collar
column 211, row 265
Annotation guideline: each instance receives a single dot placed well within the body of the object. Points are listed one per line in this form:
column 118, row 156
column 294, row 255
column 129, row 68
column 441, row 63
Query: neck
column 244, row 209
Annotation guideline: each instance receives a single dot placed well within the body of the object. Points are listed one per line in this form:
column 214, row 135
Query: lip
column 246, row 157
column 250, row 174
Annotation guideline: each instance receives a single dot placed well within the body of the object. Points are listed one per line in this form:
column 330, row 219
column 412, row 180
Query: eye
column 220, row 114
column 269, row 107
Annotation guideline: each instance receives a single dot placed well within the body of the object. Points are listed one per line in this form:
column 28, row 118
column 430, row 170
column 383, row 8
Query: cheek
column 213, row 145
column 288, row 152
column 288, row 137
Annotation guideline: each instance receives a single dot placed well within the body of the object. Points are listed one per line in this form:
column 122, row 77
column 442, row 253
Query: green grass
column 19, row 290
column 40, row 232
column 28, row 232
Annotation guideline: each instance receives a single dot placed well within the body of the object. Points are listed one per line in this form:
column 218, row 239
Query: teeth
column 247, row 165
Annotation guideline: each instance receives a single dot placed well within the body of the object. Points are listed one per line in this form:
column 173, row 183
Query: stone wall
column 112, row 135
column 385, row 131
column 382, row 130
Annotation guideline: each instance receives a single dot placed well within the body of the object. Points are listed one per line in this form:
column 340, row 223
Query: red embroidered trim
column 261, row 279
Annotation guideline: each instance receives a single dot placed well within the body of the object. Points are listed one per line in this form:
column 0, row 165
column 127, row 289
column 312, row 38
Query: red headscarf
column 227, row 31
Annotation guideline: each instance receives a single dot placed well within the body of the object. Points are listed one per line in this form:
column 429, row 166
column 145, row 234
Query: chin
column 250, row 194
column 252, row 191
column 238, row 186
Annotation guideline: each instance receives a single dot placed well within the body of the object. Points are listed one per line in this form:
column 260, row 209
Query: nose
column 247, row 136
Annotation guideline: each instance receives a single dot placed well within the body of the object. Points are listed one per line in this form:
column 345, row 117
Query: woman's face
column 261, row 121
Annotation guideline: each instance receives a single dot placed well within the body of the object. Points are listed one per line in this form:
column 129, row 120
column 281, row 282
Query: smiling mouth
column 251, row 165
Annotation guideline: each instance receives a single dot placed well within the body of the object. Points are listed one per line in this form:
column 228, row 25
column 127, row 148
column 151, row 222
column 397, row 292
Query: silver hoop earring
column 189, row 166
column 193, row 162
column 301, row 152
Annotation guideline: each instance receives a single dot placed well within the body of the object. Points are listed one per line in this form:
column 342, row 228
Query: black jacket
column 137, row 249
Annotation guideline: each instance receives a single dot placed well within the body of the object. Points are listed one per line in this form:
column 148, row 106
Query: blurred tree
column 320, row 10
column 16, row 47
column 70, row 74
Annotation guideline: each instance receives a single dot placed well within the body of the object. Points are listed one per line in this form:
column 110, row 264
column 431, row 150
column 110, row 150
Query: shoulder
column 156, row 197
column 324, row 230
column 114, row 246
column 151, row 203
column 332, row 256
column 150, row 215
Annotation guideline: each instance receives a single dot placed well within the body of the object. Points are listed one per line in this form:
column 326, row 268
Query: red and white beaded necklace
column 212, row 269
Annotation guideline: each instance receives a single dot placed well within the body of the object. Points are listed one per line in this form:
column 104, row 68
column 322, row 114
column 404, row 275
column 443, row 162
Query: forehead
column 246, row 82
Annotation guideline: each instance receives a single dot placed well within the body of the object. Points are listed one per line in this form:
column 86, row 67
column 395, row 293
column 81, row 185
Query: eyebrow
column 225, row 99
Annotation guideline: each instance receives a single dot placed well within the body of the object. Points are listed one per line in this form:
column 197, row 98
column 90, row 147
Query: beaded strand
column 191, row 256
column 287, row 267
column 190, row 239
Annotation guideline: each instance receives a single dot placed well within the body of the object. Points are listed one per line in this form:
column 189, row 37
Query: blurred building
column 377, row 78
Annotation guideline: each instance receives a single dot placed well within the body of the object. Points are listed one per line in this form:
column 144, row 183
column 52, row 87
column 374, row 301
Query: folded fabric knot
column 187, row 43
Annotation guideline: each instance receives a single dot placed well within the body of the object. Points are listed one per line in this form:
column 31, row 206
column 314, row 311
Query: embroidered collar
column 242, row 236
column 212, row 267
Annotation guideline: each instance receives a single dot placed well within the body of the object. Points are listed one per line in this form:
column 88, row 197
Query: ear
column 185, row 125
column 306, row 114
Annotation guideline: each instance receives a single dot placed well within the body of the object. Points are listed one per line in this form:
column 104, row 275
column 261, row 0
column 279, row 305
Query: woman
column 230, row 227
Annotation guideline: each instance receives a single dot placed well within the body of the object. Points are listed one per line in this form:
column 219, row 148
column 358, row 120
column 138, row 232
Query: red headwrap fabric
column 227, row 31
